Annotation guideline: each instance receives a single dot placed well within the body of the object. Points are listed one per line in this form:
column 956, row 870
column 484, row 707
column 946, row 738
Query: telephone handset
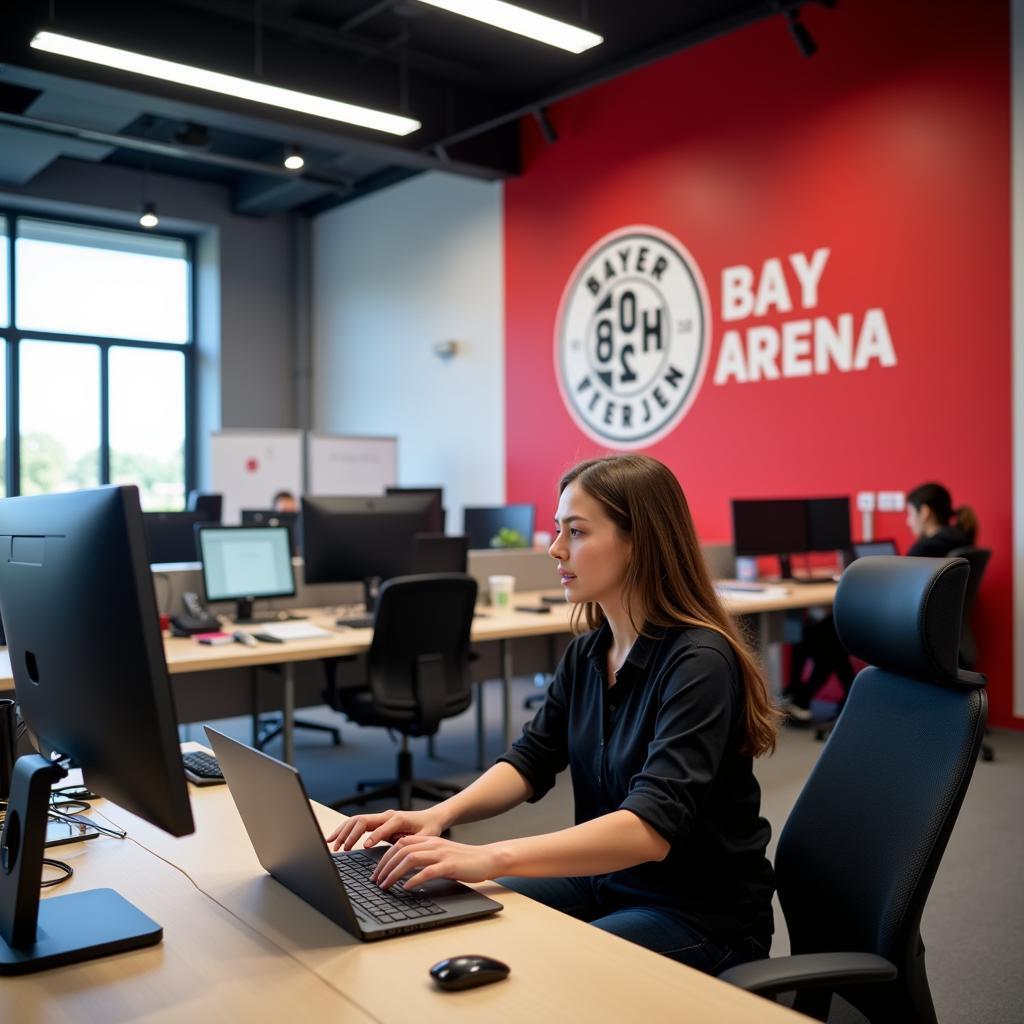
column 196, row 619
column 193, row 606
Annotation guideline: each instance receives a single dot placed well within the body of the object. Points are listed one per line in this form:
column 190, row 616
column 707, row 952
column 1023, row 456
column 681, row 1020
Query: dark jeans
column 656, row 929
column 823, row 648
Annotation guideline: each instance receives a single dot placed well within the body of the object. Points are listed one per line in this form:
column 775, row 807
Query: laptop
column 861, row 548
column 275, row 810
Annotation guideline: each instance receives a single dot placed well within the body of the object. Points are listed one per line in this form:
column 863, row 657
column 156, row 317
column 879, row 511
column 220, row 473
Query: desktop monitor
column 828, row 524
column 776, row 526
column 170, row 536
column 271, row 517
column 209, row 506
column 436, row 516
column 83, row 632
column 352, row 539
column 485, row 525
column 243, row 563
column 434, row 552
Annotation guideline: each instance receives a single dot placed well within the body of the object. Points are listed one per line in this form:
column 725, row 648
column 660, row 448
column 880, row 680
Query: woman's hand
column 389, row 825
column 429, row 857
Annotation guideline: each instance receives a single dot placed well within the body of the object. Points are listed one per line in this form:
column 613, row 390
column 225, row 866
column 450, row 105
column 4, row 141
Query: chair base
column 404, row 789
column 271, row 728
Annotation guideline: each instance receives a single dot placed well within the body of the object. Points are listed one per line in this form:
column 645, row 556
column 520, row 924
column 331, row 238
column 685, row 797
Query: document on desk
column 293, row 630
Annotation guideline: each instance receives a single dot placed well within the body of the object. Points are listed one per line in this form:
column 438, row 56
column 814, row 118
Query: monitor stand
column 244, row 614
column 35, row 934
column 786, row 572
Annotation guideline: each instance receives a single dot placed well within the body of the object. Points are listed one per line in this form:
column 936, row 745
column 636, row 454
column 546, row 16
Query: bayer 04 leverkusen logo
column 632, row 337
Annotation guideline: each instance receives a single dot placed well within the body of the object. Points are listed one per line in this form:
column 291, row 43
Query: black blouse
column 663, row 742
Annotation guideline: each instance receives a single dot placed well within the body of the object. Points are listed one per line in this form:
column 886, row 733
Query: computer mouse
column 458, row 972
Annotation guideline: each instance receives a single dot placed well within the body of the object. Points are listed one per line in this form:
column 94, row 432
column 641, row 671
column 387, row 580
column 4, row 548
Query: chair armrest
column 810, row 970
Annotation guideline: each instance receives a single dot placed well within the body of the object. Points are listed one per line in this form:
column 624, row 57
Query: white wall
column 393, row 274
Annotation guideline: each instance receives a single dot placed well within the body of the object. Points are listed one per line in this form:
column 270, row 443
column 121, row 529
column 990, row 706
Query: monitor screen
column 435, row 495
column 350, row 539
column 170, row 536
column 83, row 632
column 503, row 526
column 271, row 517
column 776, row 526
column 434, row 552
column 828, row 524
column 246, row 562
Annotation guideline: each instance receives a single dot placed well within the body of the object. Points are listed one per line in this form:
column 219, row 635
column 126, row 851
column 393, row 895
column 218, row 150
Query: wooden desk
column 500, row 625
column 239, row 946
column 211, row 966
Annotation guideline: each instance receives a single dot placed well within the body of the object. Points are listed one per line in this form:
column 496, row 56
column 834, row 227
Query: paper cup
column 502, row 589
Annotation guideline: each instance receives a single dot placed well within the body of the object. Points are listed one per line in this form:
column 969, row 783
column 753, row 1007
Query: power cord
column 60, row 866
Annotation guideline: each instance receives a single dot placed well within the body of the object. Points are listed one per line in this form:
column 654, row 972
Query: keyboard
column 386, row 906
column 356, row 621
column 201, row 768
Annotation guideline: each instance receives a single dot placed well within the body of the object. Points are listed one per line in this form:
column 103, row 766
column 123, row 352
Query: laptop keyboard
column 386, row 906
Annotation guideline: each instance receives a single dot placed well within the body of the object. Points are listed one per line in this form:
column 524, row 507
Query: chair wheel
column 987, row 753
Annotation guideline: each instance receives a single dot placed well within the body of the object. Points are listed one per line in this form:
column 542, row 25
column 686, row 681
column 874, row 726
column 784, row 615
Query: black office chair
column 859, row 852
column 977, row 559
column 418, row 674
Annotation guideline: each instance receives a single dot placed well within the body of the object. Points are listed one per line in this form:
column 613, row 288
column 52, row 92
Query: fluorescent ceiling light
column 522, row 22
column 214, row 81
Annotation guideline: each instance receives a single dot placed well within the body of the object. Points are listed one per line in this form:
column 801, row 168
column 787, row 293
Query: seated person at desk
column 929, row 511
column 284, row 501
column 658, row 711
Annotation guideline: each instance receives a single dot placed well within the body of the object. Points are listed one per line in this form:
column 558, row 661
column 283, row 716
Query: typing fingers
column 410, row 859
column 394, row 858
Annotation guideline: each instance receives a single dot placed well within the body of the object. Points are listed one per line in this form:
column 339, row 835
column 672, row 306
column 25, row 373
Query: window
column 95, row 325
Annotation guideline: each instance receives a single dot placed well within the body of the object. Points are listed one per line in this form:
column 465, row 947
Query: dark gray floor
column 973, row 926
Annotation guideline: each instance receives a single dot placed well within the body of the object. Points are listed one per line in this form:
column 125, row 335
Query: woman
column 929, row 511
column 658, row 711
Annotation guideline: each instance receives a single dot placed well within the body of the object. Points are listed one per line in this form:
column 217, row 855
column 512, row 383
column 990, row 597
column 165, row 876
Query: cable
column 246, row 924
column 61, row 866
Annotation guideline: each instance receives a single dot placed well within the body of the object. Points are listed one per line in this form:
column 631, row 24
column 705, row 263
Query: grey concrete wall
column 245, row 284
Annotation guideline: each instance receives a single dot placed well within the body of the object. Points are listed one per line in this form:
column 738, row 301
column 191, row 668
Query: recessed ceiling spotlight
column 517, row 19
column 148, row 217
column 293, row 158
column 227, row 85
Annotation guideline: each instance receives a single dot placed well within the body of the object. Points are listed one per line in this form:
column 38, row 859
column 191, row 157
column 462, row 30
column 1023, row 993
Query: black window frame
column 15, row 335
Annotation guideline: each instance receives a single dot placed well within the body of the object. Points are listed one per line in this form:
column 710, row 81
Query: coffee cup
column 502, row 588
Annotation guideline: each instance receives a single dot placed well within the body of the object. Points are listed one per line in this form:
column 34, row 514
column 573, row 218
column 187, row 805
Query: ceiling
column 468, row 83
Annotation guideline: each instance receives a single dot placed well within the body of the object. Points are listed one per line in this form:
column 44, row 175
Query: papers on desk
column 293, row 630
column 750, row 591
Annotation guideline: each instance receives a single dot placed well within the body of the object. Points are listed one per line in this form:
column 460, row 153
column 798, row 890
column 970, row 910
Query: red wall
column 892, row 148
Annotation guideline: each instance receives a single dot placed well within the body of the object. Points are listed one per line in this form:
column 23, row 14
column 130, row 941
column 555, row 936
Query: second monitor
column 243, row 563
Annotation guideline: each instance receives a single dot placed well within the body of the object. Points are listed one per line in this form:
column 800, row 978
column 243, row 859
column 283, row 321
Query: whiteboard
column 351, row 465
column 250, row 466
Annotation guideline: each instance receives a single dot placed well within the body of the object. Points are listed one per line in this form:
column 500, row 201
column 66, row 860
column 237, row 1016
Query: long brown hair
column 667, row 581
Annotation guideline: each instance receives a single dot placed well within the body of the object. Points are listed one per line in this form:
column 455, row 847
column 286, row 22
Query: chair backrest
column 858, row 854
column 977, row 559
column 418, row 660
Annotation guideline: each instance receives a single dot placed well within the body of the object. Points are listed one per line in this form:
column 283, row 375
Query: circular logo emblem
column 631, row 339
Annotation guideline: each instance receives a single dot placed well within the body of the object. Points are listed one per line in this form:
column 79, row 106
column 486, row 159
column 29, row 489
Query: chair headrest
column 903, row 615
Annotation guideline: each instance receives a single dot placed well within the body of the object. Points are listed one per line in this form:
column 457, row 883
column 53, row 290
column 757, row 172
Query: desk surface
column 239, row 946
column 185, row 655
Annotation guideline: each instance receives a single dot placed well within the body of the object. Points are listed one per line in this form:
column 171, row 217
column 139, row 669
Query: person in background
column 658, row 711
column 929, row 511
column 284, row 501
